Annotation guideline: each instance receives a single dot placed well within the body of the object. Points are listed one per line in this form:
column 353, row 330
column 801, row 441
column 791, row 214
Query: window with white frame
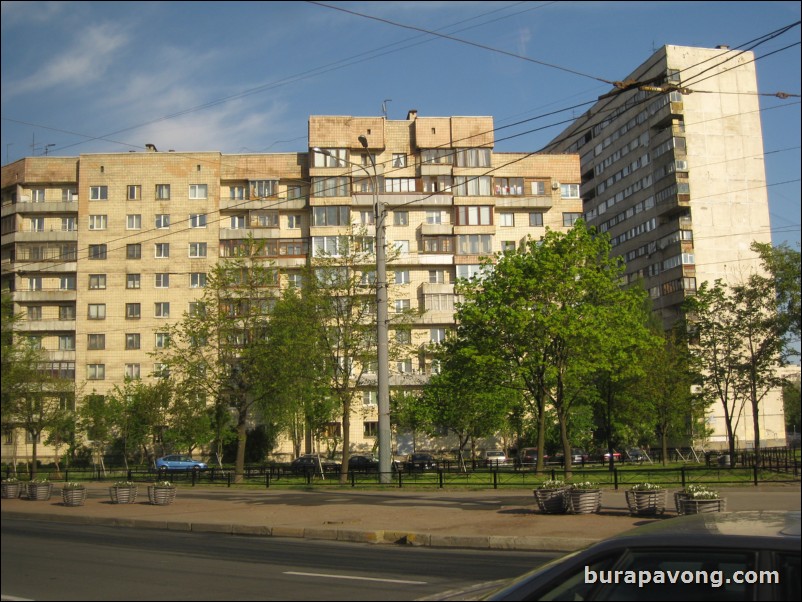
column 68, row 283
column 98, row 193
column 569, row 191
column 433, row 184
column 236, row 193
column 162, row 340
column 333, row 215
column 474, row 215
column 330, row 157
column 468, row 270
column 161, row 309
column 399, row 184
column 323, row 246
column 539, row 188
column 98, row 222
column 399, row 160
column 197, row 280
column 472, row 185
column 401, row 246
column 437, row 335
column 132, row 371
column 162, row 250
column 437, row 276
column 162, row 192
column 402, row 276
column 162, row 280
column 197, row 220
column 133, row 222
column 259, row 189
column 325, row 187
column 569, row 219
column 434, row 216
column 506, row 219
column 66, row 342
column 37, row 224
column 198, row 191
column 293, row 221
column 162, row 220
column 34, row 283
column 400, row 218
column 369, row 398
column 509, row 186
column 197, row 249
column 134, row 192
column 69, row 224
column 404, row 366
column 237, row 222
column 294, row 279
column 473, row 157
column 132, row 281
column 401, row 305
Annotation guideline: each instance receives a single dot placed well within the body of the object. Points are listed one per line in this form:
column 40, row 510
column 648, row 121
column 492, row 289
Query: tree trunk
column 242, row 438
column 346, row 437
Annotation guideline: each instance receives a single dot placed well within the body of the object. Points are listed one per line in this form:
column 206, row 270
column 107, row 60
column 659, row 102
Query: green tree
column 783, row 265
column 214, row 348
column 554, row 312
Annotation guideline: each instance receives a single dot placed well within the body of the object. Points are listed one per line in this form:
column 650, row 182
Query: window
column 197, row 280
column 399, row 185
column 437, row 244
column 539, row 188
column 437, row 335
column 327, row 245
column 132, row 281
column 401, row 246
column 369, row 397
column 267, row 219
column 435, row 156
column 434, row 216
column 370, row 429
column 325, row 187
column 508, row 246
column 97, row 281
column 197, row 191
column 96, row 341
column 197, row 220
column 37, row 224
column 569, row 219
column 132, row 371
column 403, row 337
column 66, row 342
column 293, row 221
column 162, row 280
column 162, row 192
column 133, row 222
column 96, row 311
column 402, row 276
column 474, row 216
column 69, row 195
column 535, row 219
column 569, row 191
column 236, row 193
column 473, row 157
column 507, row 219
column 134, row 192
column 330, row 157
column 294, row 280
column 401, row 305
column 404, row 366
column 35, row 283
column 262, row 188
column 163, row 220
column 197, row 249
column 97, row 252
column 400, row 218
column 237, row 222
column 474, row 244
column 161, row 370
column 98, row 222
column 133, row 251
column 38, row 195
column 331, row 216
column 162, row 250
column 162, row 340
column 471, row 185
column 133, row 311
column 399, row 159
column 66, row 312
column 162, row 309
column 98, row 193
column 132, row 340
column 34, row 313
column 294, row 192
column 95, row 371
column 509, row 186
column 468, row 271
column 69, row 224
column 437, row 276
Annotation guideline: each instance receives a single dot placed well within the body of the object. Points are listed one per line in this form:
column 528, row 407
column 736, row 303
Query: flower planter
column 73, row 497
column 552, row 501
column 40, row 492
column 123, row 495
column 646, row 503
column 584, row 501
column 12, row 490
column 161, row 496
column 679, row 497
column 703, row 506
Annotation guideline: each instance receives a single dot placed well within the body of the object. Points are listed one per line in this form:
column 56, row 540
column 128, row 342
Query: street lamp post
column 382, row 320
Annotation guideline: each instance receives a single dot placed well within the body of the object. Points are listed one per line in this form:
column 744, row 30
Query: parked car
column 578, row 456
column 616, row 456
column 179, row 462
column 635, row 455
column 312, row 464
column 363, row 464
column 493, row 457
column 420, row 462
column 721, row 556
column 527, row 456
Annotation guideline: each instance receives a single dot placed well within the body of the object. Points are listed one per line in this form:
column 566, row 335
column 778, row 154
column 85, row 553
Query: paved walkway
column 492, row 519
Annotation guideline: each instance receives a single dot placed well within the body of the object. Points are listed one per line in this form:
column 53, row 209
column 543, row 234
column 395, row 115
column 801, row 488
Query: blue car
column 179, row 462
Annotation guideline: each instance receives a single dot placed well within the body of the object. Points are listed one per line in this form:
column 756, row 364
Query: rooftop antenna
column 384, row 106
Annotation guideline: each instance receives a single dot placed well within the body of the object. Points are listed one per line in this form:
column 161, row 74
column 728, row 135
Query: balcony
column 436, row 229
column 420, row 199
column 45, row 326
column 45, row 296
column 525, row 202
column 40, row 208
column 242, row 233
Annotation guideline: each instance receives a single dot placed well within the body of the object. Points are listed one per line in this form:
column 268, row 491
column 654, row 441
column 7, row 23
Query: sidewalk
column 490, row 519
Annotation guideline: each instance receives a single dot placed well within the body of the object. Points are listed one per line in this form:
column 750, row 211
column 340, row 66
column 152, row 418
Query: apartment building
column 673, row 170
column 101, row 251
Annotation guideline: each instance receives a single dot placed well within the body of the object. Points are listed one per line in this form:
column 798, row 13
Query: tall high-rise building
column 673, row 170
column 101, row 251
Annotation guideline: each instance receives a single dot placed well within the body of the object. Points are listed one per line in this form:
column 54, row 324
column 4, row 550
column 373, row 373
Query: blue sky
column 80, row 77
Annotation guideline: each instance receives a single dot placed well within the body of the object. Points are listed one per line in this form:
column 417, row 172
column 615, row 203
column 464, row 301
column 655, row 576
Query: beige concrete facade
column 102, row 250
column 673, row 171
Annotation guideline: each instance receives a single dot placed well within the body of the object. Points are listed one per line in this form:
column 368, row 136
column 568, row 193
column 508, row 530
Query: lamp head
column 363, row 141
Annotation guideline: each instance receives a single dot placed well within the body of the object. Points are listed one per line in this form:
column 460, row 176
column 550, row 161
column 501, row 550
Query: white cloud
column 524, row 37
column 85, row 62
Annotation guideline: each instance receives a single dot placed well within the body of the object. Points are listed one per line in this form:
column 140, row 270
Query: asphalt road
column 53, row 561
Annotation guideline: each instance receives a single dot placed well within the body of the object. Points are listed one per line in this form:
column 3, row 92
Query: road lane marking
column 354, row 578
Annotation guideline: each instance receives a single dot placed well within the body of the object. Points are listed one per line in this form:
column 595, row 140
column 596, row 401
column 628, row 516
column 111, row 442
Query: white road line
column 353, row 578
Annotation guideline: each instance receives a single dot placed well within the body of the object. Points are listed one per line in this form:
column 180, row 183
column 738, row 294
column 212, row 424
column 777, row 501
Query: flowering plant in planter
column 163, row 484
column 585, row 486
column 124, row 484
column 73, row 485
column 700, row 493
column 646, row 487
column 552, row 484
